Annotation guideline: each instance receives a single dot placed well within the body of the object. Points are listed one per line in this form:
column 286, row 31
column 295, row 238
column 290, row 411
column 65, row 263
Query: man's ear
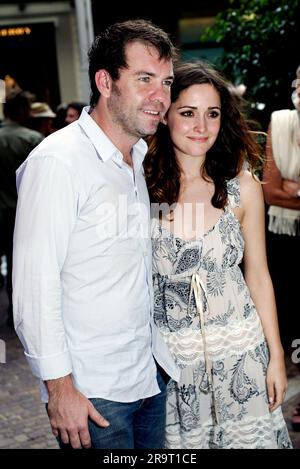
column 103, row 82
column 164, row 119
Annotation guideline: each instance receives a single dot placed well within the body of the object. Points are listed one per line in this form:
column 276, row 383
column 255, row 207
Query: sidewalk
column 23, row 419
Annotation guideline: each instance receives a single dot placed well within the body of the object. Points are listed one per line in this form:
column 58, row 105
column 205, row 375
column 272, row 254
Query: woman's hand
column 276, row 382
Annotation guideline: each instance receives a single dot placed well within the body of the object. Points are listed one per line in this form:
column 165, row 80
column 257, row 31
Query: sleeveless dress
column 204, row 311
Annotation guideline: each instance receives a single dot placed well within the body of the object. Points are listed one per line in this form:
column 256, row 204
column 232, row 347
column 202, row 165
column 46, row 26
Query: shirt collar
column 104, row 146
column 139, row 151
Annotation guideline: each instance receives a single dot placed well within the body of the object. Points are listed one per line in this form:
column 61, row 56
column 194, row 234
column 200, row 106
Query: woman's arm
column 275, row 191
column 260, row 285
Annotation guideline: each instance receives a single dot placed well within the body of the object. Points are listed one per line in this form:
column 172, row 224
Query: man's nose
column 160, row 95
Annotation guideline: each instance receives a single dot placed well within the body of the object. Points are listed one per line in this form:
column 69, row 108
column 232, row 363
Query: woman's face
column 194, row 120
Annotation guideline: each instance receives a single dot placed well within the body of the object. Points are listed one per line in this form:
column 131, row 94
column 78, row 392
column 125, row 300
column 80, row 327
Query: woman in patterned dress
column 221, row 326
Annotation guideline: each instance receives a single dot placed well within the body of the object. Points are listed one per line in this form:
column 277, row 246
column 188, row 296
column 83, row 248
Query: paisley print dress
column 203, row 308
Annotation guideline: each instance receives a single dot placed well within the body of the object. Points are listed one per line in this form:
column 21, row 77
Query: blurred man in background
column 16, row 142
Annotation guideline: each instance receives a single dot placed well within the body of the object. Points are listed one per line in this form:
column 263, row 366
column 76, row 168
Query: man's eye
column 168, row 83
column 145, row 79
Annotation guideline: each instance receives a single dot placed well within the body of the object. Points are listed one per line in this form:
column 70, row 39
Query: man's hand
column 69, row 411
column 291, row 187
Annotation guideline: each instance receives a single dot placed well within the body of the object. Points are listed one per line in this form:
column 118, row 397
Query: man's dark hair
column 77, row 105
column 17, row 108
column 108, row 49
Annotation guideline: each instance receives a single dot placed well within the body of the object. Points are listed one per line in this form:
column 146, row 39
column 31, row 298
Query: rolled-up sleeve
column 46, row 216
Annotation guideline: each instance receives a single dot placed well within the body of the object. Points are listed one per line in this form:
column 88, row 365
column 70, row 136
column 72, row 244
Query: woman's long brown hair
column 234, row 146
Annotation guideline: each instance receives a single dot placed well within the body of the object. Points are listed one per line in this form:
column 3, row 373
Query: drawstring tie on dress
column 198, row 289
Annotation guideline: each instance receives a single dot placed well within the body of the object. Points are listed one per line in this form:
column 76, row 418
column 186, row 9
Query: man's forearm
column 281, row 198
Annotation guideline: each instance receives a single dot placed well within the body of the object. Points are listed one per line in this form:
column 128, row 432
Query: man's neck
column 128, row 159
column 121, row 141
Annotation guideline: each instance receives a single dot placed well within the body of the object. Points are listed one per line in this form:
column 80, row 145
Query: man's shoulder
column 67, row 149
column 66, row 144
column 284, row 120
column 11, row 126
column 30, row 133
column 283, row 113
column 57, row 152
column 18, row 141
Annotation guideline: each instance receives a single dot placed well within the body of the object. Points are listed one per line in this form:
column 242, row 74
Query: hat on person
column 41, row 110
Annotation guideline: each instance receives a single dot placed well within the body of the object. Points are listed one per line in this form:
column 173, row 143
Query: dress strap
column 234, row 192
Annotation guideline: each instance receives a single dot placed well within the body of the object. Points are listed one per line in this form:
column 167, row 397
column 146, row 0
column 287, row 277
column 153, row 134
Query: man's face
column 141, row 95
column 72, row 115
column 298, row 96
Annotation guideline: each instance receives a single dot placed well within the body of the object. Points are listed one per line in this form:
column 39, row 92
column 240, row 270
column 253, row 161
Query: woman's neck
column 190, row 167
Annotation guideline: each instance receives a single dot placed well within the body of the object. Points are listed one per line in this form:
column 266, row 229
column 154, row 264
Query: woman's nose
column 200, row 124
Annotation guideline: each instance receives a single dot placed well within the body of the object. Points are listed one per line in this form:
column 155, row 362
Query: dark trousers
column 7, row 223
column 133, row 425
column 284, row 261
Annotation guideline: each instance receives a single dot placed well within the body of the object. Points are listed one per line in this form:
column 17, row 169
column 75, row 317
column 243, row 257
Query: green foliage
column 261, row 43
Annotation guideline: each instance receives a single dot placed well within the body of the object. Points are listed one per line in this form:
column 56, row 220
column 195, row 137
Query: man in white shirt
column 82, row 253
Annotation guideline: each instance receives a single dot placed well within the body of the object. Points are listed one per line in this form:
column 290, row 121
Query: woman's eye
column 214, row 114
column 187, row 114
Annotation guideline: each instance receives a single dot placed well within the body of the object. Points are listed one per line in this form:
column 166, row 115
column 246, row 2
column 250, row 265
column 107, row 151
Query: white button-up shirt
column 82, row 266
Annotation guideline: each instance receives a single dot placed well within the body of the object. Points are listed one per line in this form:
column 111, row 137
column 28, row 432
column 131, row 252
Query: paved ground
column 23, row 419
